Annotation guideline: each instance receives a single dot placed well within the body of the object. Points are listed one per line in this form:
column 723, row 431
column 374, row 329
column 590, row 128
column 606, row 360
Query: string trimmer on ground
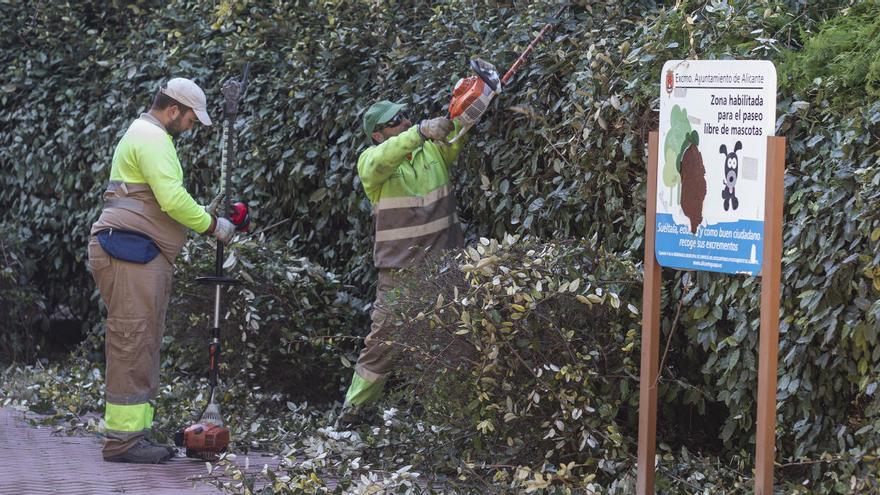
column 207, row 438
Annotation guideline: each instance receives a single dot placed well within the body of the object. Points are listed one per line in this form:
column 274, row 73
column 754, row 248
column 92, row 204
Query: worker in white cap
column 189, row 94
column 132, row 248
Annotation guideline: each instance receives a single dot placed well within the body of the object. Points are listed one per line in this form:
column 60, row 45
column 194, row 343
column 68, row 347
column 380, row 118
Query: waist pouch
column 127, row 245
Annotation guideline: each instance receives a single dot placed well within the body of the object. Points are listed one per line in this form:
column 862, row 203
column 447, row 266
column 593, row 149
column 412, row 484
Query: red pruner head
column 240, row 216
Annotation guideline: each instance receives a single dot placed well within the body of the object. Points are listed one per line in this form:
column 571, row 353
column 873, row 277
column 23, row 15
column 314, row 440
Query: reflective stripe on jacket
column 407, row 182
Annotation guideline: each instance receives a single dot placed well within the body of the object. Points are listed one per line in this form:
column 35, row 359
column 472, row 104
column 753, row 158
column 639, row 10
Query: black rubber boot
column 143, row 452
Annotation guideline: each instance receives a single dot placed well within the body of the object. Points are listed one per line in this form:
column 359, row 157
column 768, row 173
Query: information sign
column 715, row 117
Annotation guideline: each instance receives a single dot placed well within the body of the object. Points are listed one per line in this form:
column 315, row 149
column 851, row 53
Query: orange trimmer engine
column 472, row 95
column 203, row 441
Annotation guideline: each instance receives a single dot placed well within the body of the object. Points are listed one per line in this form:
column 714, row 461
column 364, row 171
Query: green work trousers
column 377, row 357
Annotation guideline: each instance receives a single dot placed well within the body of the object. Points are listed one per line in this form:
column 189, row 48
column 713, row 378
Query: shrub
column 289, row 319
column 22, row 305
column 841, row 62
column 529, row 348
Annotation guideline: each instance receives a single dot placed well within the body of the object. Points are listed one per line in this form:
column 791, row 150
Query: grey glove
column 436, row 129
column 215, row 203
column 223, row 230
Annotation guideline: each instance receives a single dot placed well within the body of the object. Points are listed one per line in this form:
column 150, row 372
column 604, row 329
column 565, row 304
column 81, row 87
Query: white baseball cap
column 190, row 94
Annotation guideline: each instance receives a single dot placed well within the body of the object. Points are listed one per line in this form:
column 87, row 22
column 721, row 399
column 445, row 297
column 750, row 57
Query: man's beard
column 175, row 126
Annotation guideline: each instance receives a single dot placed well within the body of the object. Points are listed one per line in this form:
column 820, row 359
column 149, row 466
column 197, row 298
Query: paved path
column 33, row 461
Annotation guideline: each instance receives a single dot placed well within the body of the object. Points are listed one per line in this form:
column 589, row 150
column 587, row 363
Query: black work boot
column 352, row 417
column 150, row 436
column 143, row 452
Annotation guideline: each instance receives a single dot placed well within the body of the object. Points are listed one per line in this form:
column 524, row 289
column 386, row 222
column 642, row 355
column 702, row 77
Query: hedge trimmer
column 471, row 96
column 207, row 438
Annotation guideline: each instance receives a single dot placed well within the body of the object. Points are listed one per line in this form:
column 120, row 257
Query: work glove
column 215, row 203
column 223, row 230
column 436, row 129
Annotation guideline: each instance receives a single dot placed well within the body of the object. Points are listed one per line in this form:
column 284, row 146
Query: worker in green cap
column 405, row 174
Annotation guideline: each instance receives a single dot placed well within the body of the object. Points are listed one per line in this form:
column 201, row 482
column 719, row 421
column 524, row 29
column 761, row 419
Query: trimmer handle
column 486, row 72
column 213, row 362
column 240, row 216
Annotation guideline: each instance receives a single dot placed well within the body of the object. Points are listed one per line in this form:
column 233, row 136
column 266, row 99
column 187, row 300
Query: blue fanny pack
column 126, row 245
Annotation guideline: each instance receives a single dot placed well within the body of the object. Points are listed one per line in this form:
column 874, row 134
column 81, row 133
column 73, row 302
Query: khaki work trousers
column 377, row 357
column 136, row 297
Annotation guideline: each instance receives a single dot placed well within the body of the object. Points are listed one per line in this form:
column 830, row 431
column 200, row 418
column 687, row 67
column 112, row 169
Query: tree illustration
column 673, row 149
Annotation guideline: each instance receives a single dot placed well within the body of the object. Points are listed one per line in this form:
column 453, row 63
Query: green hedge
column 23, row 308
column 561, row 156
column 531, row 349
column 290, row 326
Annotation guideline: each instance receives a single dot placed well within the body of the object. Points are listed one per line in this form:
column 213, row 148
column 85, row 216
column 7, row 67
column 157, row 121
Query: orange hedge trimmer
column 471, row 96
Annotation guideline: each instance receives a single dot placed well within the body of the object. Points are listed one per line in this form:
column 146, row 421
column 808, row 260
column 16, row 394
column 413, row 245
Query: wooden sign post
column 737, row 229
column 650, row 336
column 765, row 451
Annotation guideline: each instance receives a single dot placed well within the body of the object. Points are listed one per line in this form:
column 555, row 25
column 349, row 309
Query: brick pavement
column 34, row 461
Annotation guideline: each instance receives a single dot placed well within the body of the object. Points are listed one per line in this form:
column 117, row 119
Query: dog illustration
column 731, row 172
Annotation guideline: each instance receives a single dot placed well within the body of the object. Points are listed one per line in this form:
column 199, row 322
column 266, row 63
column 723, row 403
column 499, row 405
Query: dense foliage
column 560, row 156
column 291, row 320
column 22, row 306
column 530, row 347
column 842, row 62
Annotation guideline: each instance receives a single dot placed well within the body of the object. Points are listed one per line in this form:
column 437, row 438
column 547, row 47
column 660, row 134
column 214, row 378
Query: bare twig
column 685, row 287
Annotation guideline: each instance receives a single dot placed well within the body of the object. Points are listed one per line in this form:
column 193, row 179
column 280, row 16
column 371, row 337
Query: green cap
column 379, row 113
